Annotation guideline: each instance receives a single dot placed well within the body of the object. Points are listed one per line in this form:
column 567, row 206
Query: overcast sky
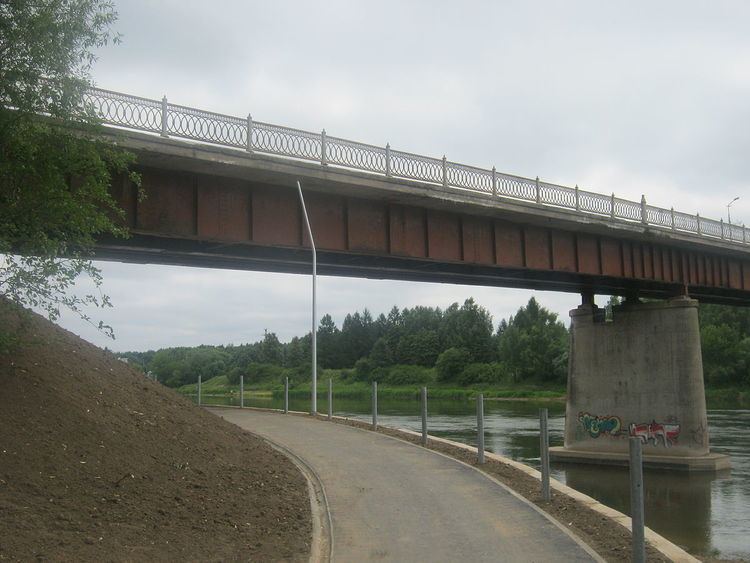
column 632, row 98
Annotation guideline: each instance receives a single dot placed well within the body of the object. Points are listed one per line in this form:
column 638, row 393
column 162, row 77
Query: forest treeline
column 458, row 345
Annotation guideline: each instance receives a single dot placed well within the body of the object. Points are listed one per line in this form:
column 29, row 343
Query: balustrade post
column 644, row 215
column 249, row 147
column 388, row 159
column 698, row 222
column 164, row 112
column 578, row 199
column 536, row 189
column 671, row 213
column 744, row 234
column 323, row 143
column 722, row 227
column 494, row 182
column 612, row 206
column 445, row 172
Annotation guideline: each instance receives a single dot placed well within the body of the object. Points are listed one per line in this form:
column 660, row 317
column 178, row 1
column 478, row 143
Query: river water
column 706, row 514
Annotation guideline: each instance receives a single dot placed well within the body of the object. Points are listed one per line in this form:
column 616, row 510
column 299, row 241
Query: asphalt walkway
column 393, row 501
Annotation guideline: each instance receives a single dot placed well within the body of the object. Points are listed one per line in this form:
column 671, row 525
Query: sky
column 632, row 98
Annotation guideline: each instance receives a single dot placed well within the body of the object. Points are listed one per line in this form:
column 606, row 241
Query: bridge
column 220, row 193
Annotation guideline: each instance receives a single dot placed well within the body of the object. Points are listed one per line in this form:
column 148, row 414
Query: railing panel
column 595, row 203
column 559, row 196
column 659, row 217
column 206, row 126
column 285, row 141
column 628, row 210
column 416, row 167
column 124, row 110
column 355, row 155
column 711, row 228
column 468, row 177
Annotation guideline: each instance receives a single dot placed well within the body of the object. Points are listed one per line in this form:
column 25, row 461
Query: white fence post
column 242, row 391
column 199, row 390
column 374, row 405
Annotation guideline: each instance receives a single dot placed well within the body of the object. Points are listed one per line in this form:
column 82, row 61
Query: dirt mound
column 99, row 463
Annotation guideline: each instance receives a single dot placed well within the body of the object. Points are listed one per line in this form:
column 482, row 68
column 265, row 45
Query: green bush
column 479, row 373
column 264, row 373
column 408, row 375
column 363, row 369
column 451, row 363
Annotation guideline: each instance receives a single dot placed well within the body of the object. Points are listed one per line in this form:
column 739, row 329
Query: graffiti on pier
column 655, row 432
column 598, row 425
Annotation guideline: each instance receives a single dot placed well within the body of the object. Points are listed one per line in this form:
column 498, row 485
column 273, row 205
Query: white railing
column 133, row 112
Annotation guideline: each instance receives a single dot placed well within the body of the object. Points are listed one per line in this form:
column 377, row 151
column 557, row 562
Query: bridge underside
column 150, row 249
column 218, row 208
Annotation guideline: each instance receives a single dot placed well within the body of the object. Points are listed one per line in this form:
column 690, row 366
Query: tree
column 534, row 345
column 54, row 172
column 328, row 343
column 469, row 327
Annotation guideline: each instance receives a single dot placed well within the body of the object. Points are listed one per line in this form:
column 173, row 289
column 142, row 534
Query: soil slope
column 99, row 463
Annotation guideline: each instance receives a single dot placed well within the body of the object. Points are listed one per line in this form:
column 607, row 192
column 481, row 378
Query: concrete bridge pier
column 639, row 373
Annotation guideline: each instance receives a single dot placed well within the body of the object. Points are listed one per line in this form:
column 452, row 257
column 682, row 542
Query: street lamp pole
column 314, row 389
column 729, row 217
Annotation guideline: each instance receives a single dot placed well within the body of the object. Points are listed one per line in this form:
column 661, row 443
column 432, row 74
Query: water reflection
column 703, row 513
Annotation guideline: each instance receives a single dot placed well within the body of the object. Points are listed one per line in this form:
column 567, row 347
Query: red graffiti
column 652, row 431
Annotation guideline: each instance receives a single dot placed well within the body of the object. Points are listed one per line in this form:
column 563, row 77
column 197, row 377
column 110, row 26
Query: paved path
column 393, row 501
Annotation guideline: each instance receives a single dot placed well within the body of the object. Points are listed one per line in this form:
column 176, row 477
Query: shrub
column 363, row 369
column 451, row 363
column 479, row 373
column 409, row 375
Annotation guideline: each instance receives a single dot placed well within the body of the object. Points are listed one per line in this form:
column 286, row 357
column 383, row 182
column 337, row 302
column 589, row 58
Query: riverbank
column 220, row 387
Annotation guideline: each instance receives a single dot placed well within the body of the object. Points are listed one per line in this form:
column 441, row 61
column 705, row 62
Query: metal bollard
column 636, row 501
column 544, row 453
column 242, row 391
column 330, row 398
column 480, row 428
column 424, row 416
column 286, row 395
column 199, row 390
column 374, row 405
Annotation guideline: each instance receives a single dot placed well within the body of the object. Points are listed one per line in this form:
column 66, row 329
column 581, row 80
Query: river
column 706, row 514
